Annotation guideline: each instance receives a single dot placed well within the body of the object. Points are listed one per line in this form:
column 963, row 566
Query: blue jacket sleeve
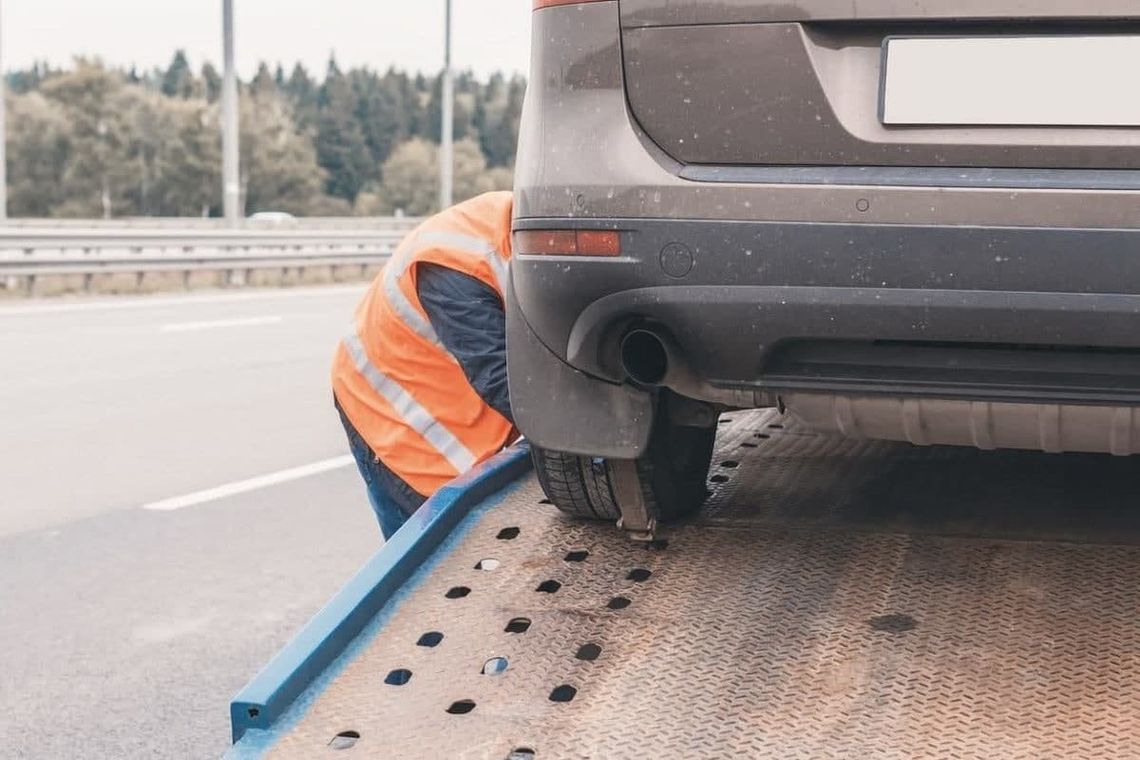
column 469, row 318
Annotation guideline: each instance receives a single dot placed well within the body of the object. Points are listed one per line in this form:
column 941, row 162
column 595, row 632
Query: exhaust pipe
column 650, row 358
column 644, row 357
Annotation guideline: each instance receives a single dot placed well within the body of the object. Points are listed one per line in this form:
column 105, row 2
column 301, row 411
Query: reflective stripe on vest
column 398, row 265
column 469, row 244
column 410, row 410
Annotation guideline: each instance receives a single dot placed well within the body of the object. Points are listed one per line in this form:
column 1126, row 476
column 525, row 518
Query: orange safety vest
column 397, row 384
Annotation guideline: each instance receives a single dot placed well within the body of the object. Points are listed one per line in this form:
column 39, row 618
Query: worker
column 420, row 380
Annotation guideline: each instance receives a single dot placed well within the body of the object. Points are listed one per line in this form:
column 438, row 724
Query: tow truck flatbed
column 835, row 599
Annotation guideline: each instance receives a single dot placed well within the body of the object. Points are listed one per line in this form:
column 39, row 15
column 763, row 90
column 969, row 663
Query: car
column 273, row 218
column 908, row 221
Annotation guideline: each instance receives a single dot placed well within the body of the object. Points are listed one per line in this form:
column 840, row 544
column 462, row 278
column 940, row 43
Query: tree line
column 96, row 141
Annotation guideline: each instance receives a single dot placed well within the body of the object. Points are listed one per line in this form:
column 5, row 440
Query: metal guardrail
column 208, row 223
column 27, row 253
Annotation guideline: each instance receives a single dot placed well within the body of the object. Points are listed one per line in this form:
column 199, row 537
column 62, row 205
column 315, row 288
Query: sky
column 487, row 35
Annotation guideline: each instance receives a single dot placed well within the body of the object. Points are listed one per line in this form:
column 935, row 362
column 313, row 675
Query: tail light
column 567, row 243
column 540, row 4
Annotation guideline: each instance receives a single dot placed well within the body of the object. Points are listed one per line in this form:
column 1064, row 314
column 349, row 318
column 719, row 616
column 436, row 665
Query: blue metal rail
column 267, row 697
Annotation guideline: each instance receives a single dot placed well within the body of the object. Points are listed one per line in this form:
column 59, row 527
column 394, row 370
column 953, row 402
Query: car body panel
column 636, row 13
column 789, row 94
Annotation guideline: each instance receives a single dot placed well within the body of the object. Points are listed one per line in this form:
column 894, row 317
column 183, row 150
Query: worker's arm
column 468, row 317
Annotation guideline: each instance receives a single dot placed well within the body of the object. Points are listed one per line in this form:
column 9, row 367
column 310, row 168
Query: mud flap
column 559, row 408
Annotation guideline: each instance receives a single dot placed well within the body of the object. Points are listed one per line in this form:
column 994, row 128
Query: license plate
column 1058, row 81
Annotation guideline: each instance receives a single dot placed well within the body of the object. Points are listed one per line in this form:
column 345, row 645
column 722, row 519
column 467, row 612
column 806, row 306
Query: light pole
column 231, row 185
column 447, row 122
column 3, row 140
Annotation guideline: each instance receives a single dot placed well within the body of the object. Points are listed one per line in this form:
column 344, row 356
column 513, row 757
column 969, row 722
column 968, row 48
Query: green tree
column 175, row 150
column 97, row 174
column 263, row 82
column 279, row 169
column 38, row 147
column 341, row 147
column 302, row 93
column 381, row 112
column 211, row 83
column 461, row 113
column 411, row 178
column 29, row 79
column 178, row 79
column 500, row 134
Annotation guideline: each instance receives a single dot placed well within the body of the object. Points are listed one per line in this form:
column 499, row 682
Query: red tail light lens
column 540, row 4
column 567, row 243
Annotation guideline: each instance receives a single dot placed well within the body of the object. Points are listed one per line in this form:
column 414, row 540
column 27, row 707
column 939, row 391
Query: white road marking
column 217, row 323
column 252, row 484
column 114, row 303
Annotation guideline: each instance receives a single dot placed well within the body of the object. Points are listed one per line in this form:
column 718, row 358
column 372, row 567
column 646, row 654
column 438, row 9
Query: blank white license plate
column 1073, row 81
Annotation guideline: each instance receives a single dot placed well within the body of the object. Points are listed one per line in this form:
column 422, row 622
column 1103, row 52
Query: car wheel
column 577, row 485
column 672, row 474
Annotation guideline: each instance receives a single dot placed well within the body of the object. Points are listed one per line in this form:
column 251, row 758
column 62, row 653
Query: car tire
column 672, row 474
column 577, row 485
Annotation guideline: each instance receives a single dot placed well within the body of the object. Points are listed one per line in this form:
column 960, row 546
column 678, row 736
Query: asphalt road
column 175, row 501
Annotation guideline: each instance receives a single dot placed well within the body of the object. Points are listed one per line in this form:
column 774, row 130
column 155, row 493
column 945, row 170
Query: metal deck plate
column 838, row 599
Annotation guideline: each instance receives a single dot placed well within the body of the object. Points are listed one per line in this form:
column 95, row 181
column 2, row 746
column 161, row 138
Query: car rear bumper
column 1010, row 314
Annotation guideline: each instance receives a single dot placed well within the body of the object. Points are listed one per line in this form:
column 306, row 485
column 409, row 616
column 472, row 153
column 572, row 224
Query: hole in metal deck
column 344, row 740
column 495, row 666
column 563, row 693
column 618, row 603
column 461, row 707
column 517, row 625
column 430, row 639
column 398, row 677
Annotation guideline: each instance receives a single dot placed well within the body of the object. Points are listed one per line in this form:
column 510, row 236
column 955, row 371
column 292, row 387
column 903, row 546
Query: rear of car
column 909, row 220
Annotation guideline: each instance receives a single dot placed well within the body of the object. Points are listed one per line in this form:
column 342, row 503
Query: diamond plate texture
column 837, row 599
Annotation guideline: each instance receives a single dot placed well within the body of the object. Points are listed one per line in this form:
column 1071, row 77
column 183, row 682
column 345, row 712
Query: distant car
column 273, row 217
column 894, row 220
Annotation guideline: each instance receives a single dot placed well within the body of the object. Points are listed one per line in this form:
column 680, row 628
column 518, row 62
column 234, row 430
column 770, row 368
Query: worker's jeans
column 387, row 511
